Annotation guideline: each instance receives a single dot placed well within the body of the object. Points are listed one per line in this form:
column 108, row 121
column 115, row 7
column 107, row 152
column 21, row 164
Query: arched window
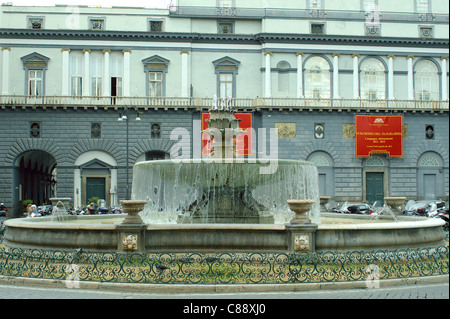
column 374, row 161
column 426, row 80
column 319, row 159
column 373, row 79
column 429, row 159
column 317, row 78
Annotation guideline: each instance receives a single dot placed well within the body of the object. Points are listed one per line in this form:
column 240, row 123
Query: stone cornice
column 216, row 38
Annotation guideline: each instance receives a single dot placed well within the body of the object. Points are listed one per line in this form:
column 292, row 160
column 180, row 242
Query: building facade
column 86, row 92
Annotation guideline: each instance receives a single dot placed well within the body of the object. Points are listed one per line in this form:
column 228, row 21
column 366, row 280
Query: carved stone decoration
column 348, row 130
column 302, row 243
column 286, row 130
column 129, row 243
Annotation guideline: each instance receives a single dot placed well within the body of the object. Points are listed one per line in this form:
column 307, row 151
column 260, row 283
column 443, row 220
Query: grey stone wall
column 66, row 134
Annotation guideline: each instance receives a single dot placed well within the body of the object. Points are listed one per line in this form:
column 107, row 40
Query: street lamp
column 122, row 118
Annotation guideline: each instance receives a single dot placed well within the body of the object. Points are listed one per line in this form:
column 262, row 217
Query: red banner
column 243, row 141
column 379, row 134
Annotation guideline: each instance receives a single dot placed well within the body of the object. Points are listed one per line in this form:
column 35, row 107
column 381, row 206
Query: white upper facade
column 309, row 49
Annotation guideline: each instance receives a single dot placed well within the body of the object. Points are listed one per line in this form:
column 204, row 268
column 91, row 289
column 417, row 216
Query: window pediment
column 156, row 62
column 95, row 164
column 35, row 60
column 226, row 64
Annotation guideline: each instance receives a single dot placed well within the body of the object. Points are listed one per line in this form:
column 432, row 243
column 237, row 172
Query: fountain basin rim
column 47, row 223
column 254, row 161
column 403, row 222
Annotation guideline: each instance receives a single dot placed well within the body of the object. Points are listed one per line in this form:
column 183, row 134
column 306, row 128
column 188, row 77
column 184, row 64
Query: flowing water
column 184, row 187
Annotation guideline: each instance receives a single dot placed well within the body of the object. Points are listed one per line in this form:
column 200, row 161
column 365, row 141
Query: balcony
column 303, row 14
column 203, row 104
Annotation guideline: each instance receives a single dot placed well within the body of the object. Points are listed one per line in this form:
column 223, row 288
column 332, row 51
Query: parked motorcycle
column 423, row 207
column 353, row 208
column 117, row 210
column 45, row 210
column 441, row 212
column 3, row 210
column 102, row 209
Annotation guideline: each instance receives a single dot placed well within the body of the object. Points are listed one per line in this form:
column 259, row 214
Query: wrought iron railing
column 243, row 11
column 223, row 268
column 205, row 103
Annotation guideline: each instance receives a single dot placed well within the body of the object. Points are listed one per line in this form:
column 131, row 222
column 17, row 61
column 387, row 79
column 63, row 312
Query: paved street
column 429, row 291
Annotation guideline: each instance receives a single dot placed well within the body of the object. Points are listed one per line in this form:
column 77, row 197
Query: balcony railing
column 112, row 102
column 306, row 14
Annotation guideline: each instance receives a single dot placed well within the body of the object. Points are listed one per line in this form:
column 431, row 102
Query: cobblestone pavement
column 420, row 291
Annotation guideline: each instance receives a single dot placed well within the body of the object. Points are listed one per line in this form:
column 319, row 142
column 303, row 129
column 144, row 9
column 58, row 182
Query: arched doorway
column 324, row 163
column 375, row 179
column 35, row 177
column 430, row 176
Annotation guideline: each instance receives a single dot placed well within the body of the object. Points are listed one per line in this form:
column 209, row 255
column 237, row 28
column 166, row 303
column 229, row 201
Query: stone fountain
column 223, row 188
column 228, row 204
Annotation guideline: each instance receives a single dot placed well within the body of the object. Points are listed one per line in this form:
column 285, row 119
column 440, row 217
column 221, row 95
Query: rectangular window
column 116, row 86
column 424, row 96
column 369, row 5
column 226, row 85
column 35, row 82
column 76, row 86
column 225, row 3
column 76, row 75
column 422, row 6
column 96, row 71
column 316, row 94
column 155, row 84
column 96, row 88
column 372, row 95
column 116, row 72
column 315, row 4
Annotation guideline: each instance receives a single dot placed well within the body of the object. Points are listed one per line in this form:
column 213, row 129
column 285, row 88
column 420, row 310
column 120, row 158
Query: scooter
column 440, row 213
column 3, row 210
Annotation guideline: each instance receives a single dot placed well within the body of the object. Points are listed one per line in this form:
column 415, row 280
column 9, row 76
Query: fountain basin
column 335, row 233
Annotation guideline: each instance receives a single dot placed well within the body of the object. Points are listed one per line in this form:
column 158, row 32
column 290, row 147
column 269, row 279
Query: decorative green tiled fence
column 223, row 268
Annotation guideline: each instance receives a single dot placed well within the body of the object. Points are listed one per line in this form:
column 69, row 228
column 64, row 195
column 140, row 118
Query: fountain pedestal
column 226, row 205
column 131, row 231
column 300, row 230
